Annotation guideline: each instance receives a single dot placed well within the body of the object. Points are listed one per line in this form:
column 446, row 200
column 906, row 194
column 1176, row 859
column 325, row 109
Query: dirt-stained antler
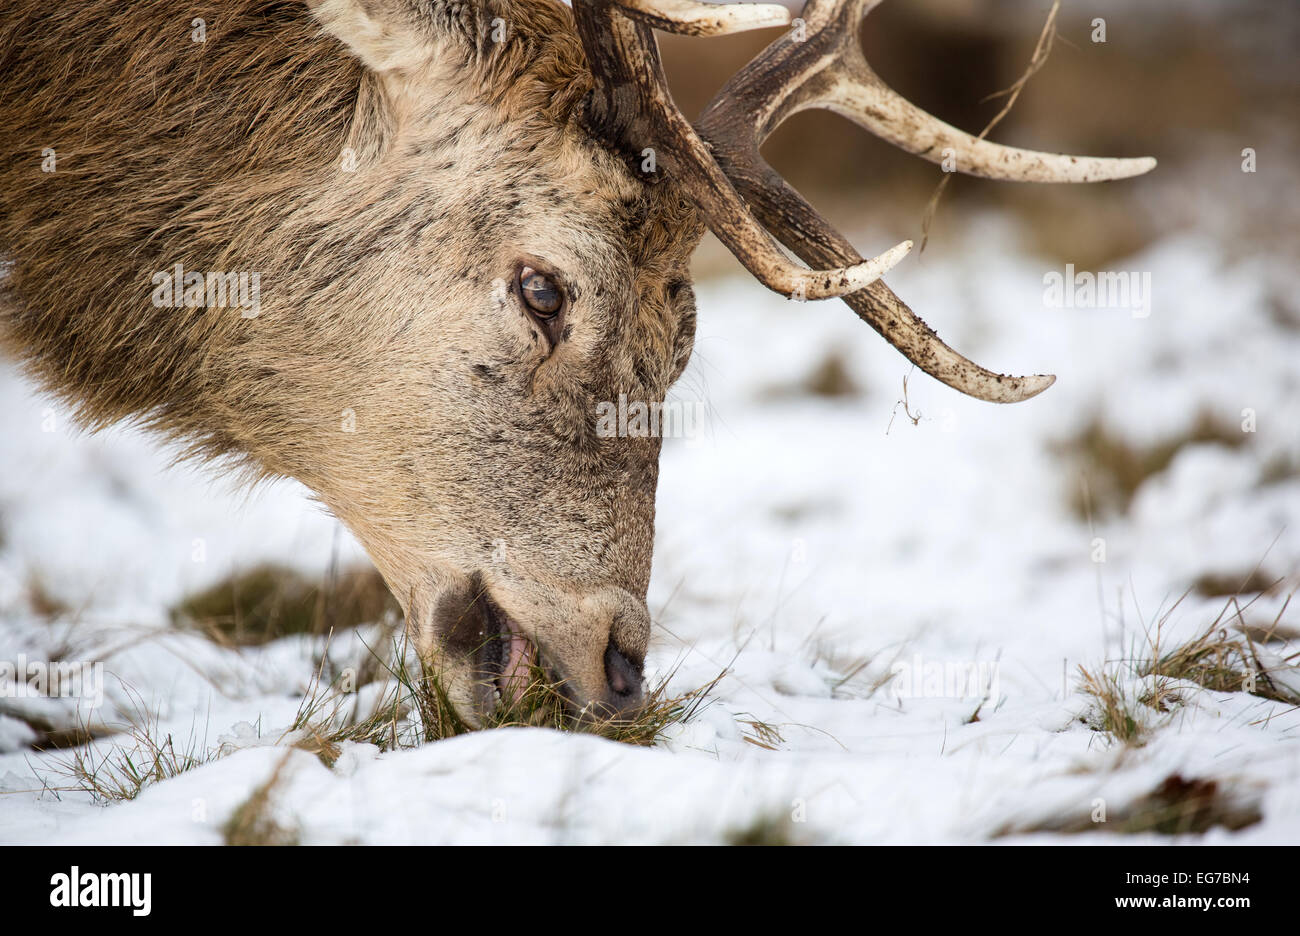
column 817, row 65
column 632, row 111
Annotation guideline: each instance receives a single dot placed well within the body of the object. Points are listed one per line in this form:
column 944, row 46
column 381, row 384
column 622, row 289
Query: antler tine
column 826, row 69
column 689, row 18
column 631, row 110
column 780, row 208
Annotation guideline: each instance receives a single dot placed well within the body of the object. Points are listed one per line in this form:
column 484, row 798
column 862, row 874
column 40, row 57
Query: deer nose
column 624, row 677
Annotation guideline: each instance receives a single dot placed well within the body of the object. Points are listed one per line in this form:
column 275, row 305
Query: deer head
column 440, row 322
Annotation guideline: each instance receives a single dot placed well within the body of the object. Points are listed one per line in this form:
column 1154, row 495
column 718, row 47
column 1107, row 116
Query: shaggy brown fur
column 384, row 165
column 170, row 150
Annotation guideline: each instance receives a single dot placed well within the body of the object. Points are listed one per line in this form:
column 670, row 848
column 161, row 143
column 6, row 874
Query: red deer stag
column 400, row 250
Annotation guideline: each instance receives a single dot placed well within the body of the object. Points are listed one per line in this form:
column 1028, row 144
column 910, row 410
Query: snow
column 808, row 546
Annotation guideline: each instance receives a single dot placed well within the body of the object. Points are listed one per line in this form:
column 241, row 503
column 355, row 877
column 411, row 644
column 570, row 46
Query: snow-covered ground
column 811, row 546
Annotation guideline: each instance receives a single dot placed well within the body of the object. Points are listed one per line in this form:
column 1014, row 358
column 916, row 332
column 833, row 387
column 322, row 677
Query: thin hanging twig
column 1039, row 59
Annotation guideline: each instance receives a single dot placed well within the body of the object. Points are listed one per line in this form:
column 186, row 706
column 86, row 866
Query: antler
column 632, row 111
column 819, row 64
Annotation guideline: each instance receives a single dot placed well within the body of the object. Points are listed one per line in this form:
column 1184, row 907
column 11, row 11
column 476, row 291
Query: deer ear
column 386, row 35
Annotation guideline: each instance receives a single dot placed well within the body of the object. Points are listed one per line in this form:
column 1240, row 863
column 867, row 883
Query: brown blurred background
column 1192, row 82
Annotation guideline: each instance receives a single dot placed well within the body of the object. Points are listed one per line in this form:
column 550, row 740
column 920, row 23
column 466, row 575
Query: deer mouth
column 498, row 665
column 507, row 658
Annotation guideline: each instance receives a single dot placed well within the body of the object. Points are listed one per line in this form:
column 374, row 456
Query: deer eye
column 543, row 296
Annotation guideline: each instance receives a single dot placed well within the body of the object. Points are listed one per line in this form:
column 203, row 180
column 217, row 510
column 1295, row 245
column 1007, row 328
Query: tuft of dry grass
column 1180, row 806
column 1222, row 661
column 253, row 822
column 543, row 703
column 271, row 601
column 326, row 750
column 1226, row 584
column 54, row 736
column 1215, row 659
column 770, row 830
column 1114, row 711
column 1177, row 806
column 1279, row 469
column 829, row 379
column 414, row 708
column 1115, row 468
column 128, row 765
column 41, row 600
column 763, row 735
